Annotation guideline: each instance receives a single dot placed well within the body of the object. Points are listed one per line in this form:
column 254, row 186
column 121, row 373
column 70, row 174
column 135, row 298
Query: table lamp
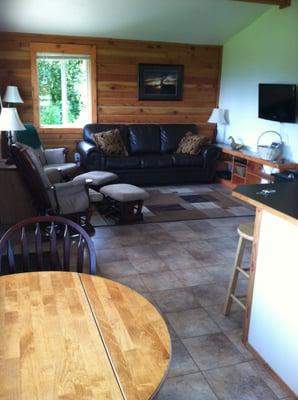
column 218, row 117
column 10, row 122
column 12, row 95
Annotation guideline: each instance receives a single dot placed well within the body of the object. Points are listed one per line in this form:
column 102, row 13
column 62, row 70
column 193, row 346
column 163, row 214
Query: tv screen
column 277, row 102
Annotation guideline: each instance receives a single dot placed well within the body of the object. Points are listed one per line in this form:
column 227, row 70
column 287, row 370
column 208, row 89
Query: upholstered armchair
column 70, row 199
column 49, row 158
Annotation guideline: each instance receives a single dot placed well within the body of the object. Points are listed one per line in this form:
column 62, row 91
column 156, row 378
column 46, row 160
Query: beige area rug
column 182, row 203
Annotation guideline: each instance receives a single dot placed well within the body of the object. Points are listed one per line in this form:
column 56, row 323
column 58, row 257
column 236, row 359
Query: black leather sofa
column 151, row 156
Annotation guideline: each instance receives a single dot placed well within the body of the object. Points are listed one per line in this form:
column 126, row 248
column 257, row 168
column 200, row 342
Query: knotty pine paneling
column 117, row 64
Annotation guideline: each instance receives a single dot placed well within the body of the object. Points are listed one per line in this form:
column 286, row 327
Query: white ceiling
column 184, row 21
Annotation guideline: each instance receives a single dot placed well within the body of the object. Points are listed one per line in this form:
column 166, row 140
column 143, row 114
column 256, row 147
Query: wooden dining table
column 67, row 335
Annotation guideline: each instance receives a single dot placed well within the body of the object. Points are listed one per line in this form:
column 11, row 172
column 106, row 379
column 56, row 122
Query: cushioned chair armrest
column 72, row 197
column 92, row 157
column 54, row 175
column 55, row 156
column 211, row 153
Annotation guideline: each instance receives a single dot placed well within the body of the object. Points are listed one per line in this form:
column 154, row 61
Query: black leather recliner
column 151, row 156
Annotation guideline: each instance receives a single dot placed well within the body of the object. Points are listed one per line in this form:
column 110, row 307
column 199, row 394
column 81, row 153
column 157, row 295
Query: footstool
column 99, row 178
column 126, row 201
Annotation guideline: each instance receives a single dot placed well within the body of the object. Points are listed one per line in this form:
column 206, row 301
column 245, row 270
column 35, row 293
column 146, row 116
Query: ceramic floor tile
column 192, row 323
column 212, row 351
column 226, row 323
column 110, row 255
column 197, row 246
column 184, row 235
column 209, row 295
column 139, row 251
column 235, row 336
column 161, row 281
column 102, row 243
column 169, row 249
column 181, row 261
column 238, row 382
column 175, row 299
column 206, row 258
column 193, row 276
column 189, row 387
column 135, row 282
column 146, row 265
column 116, row 269
column 181, row 363
column 220, row 273
column 267, row 378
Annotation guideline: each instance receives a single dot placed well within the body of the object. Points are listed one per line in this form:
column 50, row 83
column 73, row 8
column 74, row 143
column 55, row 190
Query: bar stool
column 245, row 232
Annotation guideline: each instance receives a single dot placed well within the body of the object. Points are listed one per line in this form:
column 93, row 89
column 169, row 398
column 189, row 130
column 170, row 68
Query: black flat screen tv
column 277, row 102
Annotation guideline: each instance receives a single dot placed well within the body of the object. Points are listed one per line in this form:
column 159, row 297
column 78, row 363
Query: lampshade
column 10, row 120
column 218, row 116
column 12, row 95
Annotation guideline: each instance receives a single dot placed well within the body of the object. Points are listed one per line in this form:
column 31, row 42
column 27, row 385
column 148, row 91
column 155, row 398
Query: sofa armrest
column 211, row 153
column 92, row 158
column 55, row 156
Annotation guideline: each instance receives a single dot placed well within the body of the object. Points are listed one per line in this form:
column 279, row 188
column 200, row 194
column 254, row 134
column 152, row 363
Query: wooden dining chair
column 46, row 243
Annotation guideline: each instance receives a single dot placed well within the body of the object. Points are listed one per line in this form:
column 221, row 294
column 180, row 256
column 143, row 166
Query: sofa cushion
column 191, row 144
column 156, row 161
column 186, row 160
column 144, row 139
column 110, row 143
column 131, row 162
column 171, row 134
column 89, row 129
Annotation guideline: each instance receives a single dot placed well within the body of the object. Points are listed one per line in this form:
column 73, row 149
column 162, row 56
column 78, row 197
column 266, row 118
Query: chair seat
column 246, row 231
column 124, row 192
column 99, row 178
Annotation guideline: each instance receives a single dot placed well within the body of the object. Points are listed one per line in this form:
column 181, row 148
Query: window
column 64, row 85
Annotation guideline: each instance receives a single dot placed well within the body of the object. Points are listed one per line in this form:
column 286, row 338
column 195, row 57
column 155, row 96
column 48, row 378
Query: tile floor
column 183, row 268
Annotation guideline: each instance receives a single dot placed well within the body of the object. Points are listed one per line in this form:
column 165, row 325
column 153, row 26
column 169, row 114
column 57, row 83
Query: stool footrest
column 243, row 271
column 238, row 301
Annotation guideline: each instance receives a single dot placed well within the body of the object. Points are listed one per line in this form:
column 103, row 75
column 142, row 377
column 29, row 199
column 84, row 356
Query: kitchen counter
column 271, row 324
column 283, row 201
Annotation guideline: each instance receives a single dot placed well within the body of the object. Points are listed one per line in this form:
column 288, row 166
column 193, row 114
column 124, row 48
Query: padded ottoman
column 126, row 201
column 99, row 178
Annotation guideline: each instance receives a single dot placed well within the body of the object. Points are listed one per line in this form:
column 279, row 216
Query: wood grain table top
column 66, row 335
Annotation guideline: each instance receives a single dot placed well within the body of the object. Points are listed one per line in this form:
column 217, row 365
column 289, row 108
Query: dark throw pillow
column 110, row 142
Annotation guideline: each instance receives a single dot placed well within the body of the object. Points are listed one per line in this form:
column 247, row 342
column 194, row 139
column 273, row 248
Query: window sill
column 59, row 130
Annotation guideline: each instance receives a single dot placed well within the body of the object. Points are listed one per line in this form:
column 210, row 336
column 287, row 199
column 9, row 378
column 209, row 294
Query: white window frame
column 56, row 50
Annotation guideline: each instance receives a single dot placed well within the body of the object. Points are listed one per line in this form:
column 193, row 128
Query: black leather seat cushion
column 156, row 161
column 186, row 160
column 130, row 162
column 144, row 139
column 89, row 129
column 171, row 134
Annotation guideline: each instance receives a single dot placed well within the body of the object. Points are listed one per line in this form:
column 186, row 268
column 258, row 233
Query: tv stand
column 245, row 167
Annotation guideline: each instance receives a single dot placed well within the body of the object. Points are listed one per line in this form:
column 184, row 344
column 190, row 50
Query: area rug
column 182, row 203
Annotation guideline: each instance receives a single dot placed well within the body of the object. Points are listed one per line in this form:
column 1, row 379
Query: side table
column 16, row 202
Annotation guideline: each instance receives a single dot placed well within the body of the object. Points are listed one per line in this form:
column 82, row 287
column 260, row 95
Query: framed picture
column 160, row 82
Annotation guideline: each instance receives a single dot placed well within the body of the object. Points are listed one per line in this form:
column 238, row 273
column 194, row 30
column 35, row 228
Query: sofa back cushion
column 171, row 134
column 90, row 129
column 144, row 139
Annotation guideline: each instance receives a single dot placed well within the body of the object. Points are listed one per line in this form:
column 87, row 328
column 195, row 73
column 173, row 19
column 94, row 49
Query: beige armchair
column 49, row 158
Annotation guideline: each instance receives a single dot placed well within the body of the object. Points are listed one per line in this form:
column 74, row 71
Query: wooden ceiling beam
column 280, row 3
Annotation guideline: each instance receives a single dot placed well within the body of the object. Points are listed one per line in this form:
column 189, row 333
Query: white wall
column 264, row 52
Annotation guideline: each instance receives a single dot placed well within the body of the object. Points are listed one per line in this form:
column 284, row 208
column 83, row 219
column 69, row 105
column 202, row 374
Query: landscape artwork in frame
column 160, row 82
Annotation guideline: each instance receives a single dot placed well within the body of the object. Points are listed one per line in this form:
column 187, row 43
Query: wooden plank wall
column 117, row 62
